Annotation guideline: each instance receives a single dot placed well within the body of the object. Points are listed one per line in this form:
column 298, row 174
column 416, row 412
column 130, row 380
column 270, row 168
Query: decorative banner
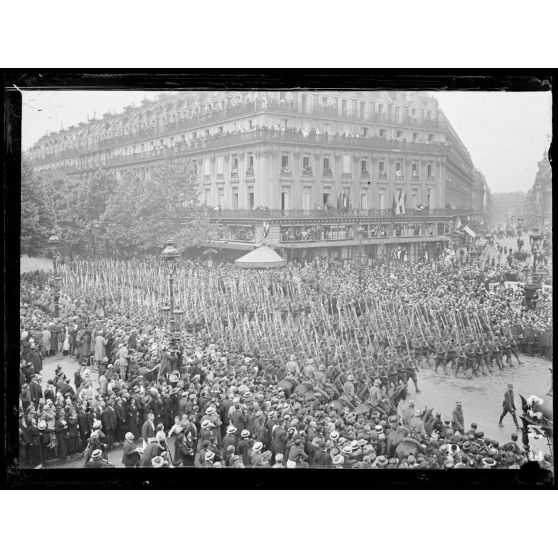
column 265, row 229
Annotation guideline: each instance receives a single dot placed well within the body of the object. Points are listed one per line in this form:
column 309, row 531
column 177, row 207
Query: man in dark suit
column 458, row 422
column 321, row 457
column 148, row 429
column 130, row 455
column 509, row 406
column 35, row 391
column 108, row 418
column 120, row 419
column 279, row 438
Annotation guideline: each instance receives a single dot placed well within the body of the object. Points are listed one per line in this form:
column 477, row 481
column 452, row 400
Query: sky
column 506, row 133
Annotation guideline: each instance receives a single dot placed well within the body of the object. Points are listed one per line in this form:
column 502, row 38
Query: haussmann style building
column 311, row 173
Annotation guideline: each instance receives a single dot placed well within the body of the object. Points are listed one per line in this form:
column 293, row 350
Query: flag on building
column 458, row 223
column 400, row 207
column 470, row 232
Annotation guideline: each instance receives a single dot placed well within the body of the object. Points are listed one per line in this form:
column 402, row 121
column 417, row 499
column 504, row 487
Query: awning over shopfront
column 262, row 257
column 230, row 245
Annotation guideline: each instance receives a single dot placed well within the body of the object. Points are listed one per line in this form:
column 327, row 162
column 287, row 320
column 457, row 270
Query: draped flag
column 400, row 206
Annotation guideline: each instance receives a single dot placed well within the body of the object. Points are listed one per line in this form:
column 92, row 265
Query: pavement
column 508, row 242
column 33, row 264
column 482, row 397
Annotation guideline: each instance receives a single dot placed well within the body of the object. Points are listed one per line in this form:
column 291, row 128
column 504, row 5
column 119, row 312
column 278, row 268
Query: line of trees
column 103, row 214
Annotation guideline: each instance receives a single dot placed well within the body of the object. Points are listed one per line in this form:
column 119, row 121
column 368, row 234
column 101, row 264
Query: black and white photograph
column 285, row 278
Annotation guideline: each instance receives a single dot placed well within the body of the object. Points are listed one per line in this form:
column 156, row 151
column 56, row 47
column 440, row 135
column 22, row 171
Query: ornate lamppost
column 54, row 242
column 170, row 255
column 164, row 312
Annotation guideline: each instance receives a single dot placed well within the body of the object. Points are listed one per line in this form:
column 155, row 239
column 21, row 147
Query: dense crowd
column 326, row 385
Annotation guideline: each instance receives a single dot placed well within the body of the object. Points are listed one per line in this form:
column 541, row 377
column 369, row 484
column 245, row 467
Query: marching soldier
column 461, row 360
column 411, row 372
column 451, row 354
column 507, row 350
column 486, row 356
column 497, row 353
column 513, row 349
column 440, row 358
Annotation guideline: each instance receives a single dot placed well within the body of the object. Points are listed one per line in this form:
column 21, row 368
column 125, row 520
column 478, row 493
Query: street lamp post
column 170, row 255
column 54, row 242
column 95, row 232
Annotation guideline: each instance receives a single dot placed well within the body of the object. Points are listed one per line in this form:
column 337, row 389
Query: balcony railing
column 184, row 124
column 269, row 135
column 327, row 172
column 307, row 172
column 331, row 213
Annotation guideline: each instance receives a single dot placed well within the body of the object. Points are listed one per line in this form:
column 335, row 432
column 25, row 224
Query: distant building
column 480, row 192
column 508, row 208
column 330, row 164
column 538, row 205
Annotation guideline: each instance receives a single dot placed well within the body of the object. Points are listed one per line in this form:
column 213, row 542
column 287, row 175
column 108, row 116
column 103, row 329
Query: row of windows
column 382, row 166
column 327, row 199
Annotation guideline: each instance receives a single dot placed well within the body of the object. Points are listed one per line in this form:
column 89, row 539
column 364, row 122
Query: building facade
column 538, row 205
column 305, row 154
column 480, row 192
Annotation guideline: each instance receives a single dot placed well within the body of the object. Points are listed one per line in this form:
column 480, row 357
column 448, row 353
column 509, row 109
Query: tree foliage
column 37, row 215
column 143, row 214
column 124, row 216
